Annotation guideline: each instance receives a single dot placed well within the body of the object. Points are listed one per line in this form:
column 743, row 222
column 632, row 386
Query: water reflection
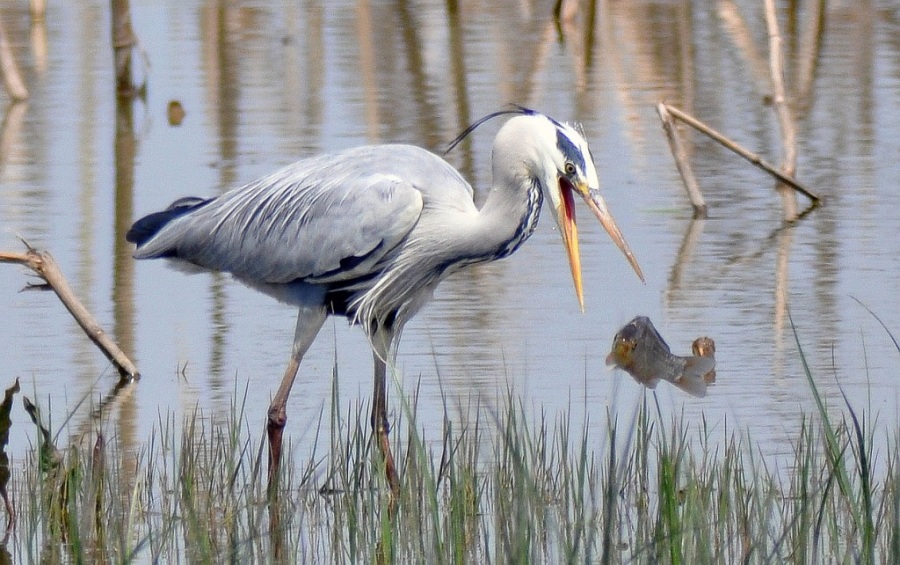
column 124, row 318
column 10, row 132
column 265, row 84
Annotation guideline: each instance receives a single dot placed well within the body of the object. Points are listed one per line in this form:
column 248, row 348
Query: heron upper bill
column 597, row 205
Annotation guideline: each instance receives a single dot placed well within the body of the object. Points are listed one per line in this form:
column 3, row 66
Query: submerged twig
column 43, row 264
column 682, row 162
column 736, row 148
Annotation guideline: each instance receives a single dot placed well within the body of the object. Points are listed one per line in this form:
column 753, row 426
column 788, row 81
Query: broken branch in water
column 43, row 264
column 682, row 162
column 748, row 155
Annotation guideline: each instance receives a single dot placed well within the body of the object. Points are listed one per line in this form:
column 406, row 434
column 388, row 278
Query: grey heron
column 368, row 233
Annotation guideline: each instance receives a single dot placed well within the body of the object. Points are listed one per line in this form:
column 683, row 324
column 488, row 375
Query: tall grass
column 504, row 487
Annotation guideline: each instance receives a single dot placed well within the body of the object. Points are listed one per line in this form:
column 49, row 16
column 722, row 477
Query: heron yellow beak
column 566, row 213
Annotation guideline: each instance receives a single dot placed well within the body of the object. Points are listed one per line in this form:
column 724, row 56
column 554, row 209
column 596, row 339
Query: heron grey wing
column 352, row 234
column 304, row 222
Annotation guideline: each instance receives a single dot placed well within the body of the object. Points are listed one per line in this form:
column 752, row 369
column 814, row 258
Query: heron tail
column 144, row 229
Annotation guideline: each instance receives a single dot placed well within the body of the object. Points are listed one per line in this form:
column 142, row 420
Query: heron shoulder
column 439, row 182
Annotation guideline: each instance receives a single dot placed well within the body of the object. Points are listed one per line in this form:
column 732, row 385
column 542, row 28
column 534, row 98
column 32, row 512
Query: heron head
column 561, row 160
column 558, row 157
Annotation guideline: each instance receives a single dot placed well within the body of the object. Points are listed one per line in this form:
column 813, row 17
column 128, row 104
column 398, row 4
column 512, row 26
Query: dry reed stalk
column 38, row 9
column 785, row 119
column 45, row 267
column 124, row 41
column 776, row 70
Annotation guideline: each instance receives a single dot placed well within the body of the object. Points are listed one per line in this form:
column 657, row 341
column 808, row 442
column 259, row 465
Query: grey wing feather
column 314, row 220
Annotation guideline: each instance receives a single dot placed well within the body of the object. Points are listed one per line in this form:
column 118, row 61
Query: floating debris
column 175, row 113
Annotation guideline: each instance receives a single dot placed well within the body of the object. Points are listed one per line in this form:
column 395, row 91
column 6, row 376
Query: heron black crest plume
column 516, row 109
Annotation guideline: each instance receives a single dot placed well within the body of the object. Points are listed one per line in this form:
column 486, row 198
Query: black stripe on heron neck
column 534, row 199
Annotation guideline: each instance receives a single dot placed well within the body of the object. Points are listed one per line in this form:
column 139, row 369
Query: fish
column 640, row 351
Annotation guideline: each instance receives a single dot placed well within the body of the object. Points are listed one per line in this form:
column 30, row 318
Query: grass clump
column 499, row 487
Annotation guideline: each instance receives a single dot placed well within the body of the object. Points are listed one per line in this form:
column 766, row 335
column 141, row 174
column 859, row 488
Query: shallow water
column 264, row 84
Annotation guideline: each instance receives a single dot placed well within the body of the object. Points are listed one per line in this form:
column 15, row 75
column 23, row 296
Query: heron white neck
column 511, row 211
column 513, row 206
column 510, row 214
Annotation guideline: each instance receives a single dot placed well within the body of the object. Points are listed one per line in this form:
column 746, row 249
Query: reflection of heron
column 368, row 233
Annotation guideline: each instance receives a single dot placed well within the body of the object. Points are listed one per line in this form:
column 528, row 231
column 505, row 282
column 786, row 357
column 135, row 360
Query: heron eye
column 570, row 168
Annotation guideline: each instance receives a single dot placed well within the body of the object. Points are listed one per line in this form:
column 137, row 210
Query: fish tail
column 692, row 379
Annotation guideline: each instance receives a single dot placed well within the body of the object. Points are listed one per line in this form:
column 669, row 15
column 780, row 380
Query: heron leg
column 309, row 322
column 380, row 428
